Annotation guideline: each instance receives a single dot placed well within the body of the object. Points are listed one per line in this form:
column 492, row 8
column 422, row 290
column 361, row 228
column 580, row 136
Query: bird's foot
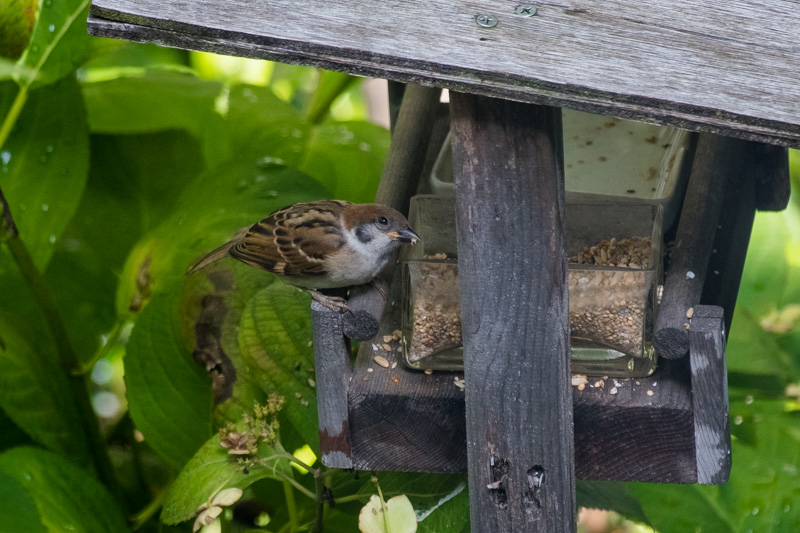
column 334, row 303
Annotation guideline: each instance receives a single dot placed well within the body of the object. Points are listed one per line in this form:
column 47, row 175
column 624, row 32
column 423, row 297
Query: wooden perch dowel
column 717, row 158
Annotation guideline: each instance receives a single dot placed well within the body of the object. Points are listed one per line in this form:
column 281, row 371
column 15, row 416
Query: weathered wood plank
column 332, row 364
column 710, row 395
column 508, row 168
column 721, row 68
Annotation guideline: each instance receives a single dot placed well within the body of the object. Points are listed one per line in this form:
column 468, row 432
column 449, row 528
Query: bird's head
column 377, row 227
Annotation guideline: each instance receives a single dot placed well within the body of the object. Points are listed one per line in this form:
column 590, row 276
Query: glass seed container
column 615, row 266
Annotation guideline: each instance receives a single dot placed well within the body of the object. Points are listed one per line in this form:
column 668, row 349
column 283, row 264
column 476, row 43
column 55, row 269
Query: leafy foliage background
column 122, row 163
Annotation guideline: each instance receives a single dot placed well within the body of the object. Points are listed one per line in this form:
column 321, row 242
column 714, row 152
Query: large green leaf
column 59, row 41
column 274, row 337
column 44, row 164
column 610, row 496
column 169, row 397
column 67, row 498
column 34, row 392
column 19, row 508
column 450, row 514
column 156, row 100
column 346, row 157
column 213, row 469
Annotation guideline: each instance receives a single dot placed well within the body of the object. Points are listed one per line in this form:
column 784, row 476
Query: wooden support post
column 507, row 159
column 712, row 431
column 332, row 364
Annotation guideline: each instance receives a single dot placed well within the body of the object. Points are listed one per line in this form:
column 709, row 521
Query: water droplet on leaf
column 52, row 239
column 45, row 207
column 51, row 28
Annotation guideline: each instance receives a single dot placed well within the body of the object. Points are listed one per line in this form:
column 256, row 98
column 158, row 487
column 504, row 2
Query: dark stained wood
column 710, row 395
column 513, row 278
column 771, row 169
column 717, row 158
column 637, row 429
column 692, row 65
column 366, row 305
column 726, row 265
column 332, row 364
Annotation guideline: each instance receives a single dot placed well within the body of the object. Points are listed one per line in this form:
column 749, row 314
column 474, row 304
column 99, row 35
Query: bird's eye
column 383, row 221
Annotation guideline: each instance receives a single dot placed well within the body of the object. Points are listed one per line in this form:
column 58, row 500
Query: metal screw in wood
column 486, row 21
column 525, row 10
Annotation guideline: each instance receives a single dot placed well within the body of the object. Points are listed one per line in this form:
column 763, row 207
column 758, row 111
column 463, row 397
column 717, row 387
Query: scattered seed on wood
column 686, row 325
column 388, row 338
column 428, row 371
column 387, row 347
column 599, row 384
column 690, row 312
column 579, row 379
column 613, row 390
column 397, row 334
column 582, row 386
column 649, row 393
column 395, row 380
column 394, row 365
column 370, row 369
column 381, row 361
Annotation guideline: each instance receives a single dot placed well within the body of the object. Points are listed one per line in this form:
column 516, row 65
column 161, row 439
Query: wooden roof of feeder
column 725, row 68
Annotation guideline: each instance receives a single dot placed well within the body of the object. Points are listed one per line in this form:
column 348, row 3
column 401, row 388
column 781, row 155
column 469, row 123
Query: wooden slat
column 332, row 364
column 508, row 169
column 710, row 395
column 699, row 64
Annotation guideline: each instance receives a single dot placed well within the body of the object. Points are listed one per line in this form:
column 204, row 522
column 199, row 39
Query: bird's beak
column 406, row 235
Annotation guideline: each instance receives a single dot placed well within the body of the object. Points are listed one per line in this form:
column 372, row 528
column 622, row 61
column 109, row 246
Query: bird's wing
column 294, row 241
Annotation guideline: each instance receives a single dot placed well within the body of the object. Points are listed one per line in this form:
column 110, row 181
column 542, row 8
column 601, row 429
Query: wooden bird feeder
column 512, row 418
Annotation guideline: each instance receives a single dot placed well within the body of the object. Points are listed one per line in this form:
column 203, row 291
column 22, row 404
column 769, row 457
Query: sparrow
column 320, row 245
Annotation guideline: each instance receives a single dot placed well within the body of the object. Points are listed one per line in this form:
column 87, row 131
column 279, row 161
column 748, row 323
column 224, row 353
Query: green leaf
column 348, row 157
column 59, row 41
column 169, row 397
column 274, row 339
column 157, row 100
column 450, row 514
column 394, row 516
column 67, row 498
column 9, row 70
column 19, row 509
column 748, row 338
column 610, row 496
column 44, row 164
column 34, row 392
column 213, row 469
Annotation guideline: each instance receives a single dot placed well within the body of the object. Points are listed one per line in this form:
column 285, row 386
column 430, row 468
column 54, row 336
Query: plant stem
column 142, row 517
column 319, row 483
column 291, row 505
column 68, row 359
column 13, row 113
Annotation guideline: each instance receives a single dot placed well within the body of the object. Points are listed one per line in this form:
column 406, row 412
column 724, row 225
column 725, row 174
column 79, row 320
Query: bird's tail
column 212, row 256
